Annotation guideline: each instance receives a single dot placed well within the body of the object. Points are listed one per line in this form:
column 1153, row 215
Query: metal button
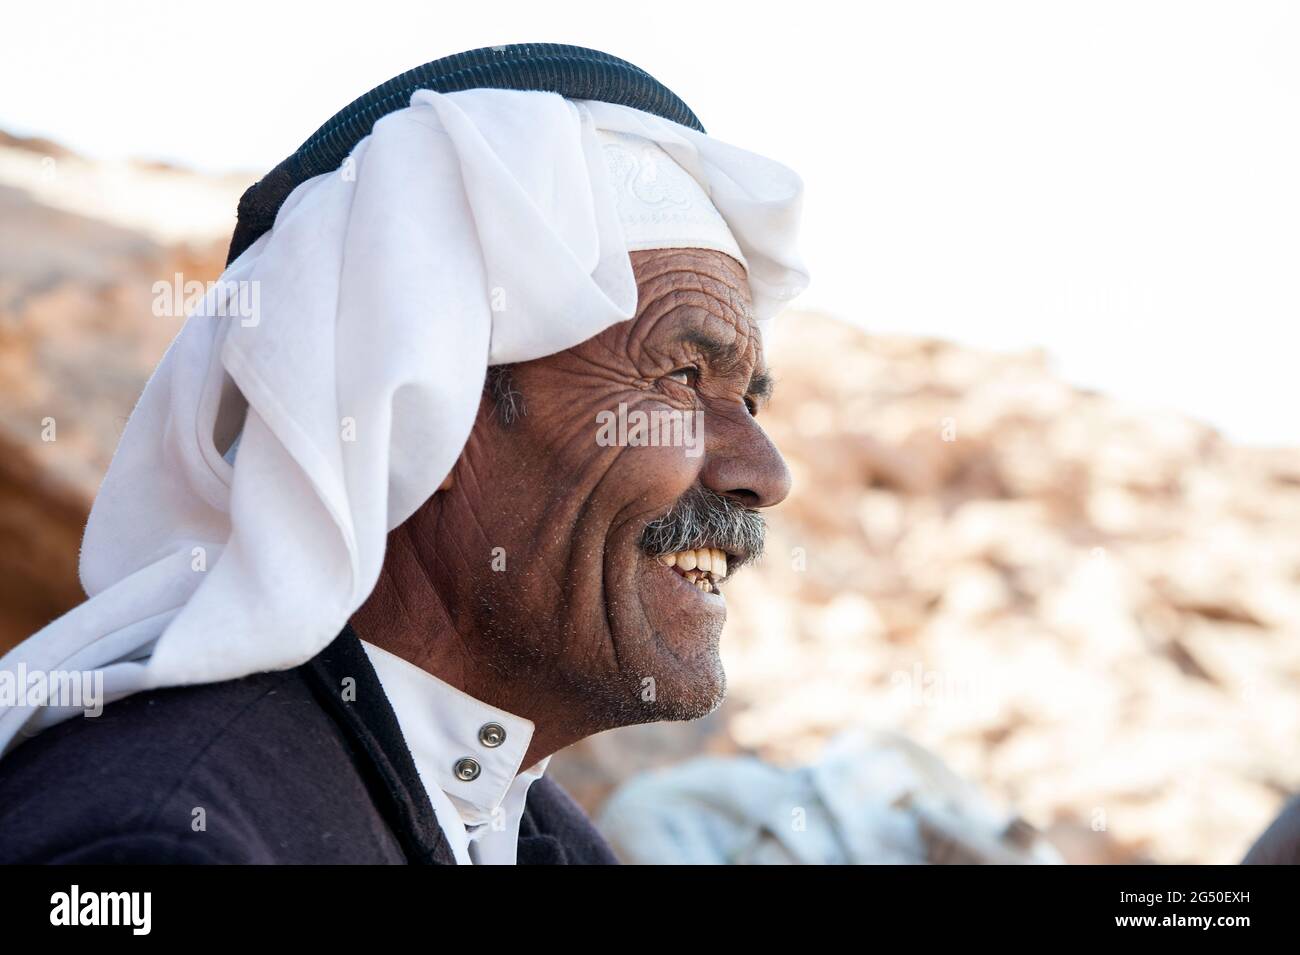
column 467, row 769
column 491, row 734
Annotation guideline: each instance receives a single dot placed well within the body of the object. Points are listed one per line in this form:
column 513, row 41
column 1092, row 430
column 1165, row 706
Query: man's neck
column 406, row 616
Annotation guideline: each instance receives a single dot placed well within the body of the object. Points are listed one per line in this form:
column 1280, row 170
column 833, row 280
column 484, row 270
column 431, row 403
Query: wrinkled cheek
column 598, row 474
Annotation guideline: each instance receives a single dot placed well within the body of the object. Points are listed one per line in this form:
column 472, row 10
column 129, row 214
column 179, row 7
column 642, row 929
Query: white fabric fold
column 468, row 229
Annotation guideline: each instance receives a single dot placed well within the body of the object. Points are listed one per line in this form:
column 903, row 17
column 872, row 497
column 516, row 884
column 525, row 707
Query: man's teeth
column 704, row 567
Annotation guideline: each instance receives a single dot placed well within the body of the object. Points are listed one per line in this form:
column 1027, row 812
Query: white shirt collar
column 450, row 735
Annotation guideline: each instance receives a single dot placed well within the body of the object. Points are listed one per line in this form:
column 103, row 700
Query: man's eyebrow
column 715, row 352
column 724, row 357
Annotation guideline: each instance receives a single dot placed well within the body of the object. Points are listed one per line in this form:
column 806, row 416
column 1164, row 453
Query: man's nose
column 743, row 464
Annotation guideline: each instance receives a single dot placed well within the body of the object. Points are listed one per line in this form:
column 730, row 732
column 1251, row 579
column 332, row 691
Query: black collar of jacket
column 345, row 683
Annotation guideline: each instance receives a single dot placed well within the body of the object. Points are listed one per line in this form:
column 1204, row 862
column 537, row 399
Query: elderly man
column 463, row 488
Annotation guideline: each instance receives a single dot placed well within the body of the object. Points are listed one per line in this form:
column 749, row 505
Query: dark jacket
column 273, row 768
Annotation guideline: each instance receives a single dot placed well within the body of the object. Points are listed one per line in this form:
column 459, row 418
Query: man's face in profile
column 583, row 600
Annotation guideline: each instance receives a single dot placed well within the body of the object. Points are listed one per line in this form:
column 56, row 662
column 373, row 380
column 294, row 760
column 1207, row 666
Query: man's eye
column 687, row 376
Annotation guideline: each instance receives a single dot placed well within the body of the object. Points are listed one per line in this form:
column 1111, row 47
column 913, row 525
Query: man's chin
column 707, row 700
column 666, row 635
column 678, row 674
column 686, row 695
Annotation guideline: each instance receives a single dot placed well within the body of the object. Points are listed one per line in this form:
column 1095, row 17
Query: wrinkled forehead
column 693, row 284
column 698, row 298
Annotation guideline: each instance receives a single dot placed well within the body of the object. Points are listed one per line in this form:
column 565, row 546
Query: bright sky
column 1118, row 182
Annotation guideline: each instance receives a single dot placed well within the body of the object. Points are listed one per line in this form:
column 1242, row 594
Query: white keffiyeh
column 469, row 229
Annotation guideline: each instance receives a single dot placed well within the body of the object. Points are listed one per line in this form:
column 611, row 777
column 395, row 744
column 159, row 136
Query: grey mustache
column 705, row 518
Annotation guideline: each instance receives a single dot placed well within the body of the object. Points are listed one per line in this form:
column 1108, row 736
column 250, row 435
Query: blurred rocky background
column 1088, row 611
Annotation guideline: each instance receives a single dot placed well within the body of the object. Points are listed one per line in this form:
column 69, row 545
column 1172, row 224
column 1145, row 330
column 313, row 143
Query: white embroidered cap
column 660, row 204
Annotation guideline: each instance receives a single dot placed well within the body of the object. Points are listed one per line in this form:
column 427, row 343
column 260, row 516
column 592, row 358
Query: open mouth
column 704, row 567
